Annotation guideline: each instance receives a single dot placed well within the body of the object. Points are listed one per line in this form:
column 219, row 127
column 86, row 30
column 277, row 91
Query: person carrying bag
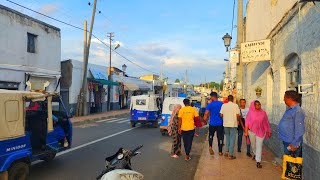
column 292, row 167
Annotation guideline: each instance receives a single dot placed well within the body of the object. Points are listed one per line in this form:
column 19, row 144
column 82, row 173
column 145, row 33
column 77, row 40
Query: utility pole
column 239, row 41
column 110, row 36
column 83, row 91
column 85, row 67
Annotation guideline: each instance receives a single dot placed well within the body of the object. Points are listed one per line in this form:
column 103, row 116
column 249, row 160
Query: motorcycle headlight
column 120, row 156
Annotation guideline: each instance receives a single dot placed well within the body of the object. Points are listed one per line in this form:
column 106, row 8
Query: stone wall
column 298, row 35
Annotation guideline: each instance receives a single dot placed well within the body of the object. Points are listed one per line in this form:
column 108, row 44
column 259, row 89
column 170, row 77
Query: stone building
column 30, row 50
column 293, row 28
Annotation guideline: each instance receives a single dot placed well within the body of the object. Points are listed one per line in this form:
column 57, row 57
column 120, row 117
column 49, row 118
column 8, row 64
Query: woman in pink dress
column 258, row 129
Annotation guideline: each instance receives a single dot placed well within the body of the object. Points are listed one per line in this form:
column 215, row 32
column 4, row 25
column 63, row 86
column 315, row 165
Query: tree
column 177, row 81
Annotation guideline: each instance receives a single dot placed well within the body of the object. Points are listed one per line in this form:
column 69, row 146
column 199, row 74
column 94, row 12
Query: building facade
column 30, row 50
column 295, row 59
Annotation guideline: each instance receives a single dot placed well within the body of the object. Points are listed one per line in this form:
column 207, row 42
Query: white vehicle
column 168, row 105
column 144, row 109
column 118, row 166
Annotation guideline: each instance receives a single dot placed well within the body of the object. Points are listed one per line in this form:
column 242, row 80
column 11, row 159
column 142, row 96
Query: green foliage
column 177, row 81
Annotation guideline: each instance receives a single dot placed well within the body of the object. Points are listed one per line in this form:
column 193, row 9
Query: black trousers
column 220, row 136
column 187, row 140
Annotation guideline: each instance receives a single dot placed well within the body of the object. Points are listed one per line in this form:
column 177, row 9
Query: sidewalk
column 100, row 116
column 243, row 168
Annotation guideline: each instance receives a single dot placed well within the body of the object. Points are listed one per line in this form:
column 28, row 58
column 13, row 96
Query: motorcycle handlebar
column 136, row 149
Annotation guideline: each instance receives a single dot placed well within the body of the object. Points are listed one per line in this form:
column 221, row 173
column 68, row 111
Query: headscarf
column 257, row 116
column 175, row 111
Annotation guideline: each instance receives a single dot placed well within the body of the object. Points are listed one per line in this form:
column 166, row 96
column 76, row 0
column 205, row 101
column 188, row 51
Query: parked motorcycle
column 118, row 166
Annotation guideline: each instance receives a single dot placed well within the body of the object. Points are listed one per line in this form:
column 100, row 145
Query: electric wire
column 71, row 25
column 234, row 6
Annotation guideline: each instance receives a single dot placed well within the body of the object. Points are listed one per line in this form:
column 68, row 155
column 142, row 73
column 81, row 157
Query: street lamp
column 117, row 46
column 227, row 41
column 124, row 67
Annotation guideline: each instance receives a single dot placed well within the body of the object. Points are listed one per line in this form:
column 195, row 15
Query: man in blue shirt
column 216, row 122
column 291, row 126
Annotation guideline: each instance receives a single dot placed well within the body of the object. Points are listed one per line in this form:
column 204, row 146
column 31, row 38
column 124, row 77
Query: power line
column 234, row 6
column 71, row 25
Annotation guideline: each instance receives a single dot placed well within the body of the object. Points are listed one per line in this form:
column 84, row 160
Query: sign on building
column 256, row 51
column 234, row 56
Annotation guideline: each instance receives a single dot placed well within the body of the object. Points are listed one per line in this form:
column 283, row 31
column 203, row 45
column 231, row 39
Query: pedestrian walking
column 230, row 113
column 186, row 125
column 291, row 126
column 173, row 132
column 196, row 134
column 258, row 129
column 241, row 127
column 216, row 122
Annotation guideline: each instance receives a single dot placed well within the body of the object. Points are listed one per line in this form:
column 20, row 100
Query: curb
column 205, row 144
column 98, row 118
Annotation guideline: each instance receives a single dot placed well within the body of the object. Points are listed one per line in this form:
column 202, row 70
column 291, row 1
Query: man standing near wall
column 230, row 113
column 291, row 126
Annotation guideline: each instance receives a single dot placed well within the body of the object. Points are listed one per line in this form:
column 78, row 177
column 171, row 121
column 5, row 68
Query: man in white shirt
column 241, row 127
column 230, row 113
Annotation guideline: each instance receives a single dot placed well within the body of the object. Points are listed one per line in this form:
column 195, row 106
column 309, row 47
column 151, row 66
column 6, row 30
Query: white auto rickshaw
column 168, row 105
column 144, row 109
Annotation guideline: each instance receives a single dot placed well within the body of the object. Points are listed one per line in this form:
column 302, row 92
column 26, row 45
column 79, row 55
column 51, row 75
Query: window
column 31, row 43
column 171, row 107
column 141, row 102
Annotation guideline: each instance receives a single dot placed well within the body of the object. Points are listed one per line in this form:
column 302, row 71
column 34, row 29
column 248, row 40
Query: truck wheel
column 19, row 171
column 49, row 157
column 133, row 124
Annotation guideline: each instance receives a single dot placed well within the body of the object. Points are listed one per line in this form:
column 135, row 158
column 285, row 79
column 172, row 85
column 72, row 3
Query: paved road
column 94, row 141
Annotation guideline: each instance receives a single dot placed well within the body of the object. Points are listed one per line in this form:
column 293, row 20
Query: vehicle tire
column 18, row 171
column 155, row 124
column 133, row 124
column 49, row 157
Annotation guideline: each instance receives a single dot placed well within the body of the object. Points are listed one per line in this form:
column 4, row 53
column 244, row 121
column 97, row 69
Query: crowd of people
column 230, row 121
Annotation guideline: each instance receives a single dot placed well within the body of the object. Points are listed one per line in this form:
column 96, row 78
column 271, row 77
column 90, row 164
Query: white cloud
column 49, row 8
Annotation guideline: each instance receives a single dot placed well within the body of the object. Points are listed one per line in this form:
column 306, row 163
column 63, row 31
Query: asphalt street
column 94, row 141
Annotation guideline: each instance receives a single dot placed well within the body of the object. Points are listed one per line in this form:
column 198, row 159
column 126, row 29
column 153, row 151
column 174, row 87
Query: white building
column 30, row 50
column 293, row 28
column 121, row 89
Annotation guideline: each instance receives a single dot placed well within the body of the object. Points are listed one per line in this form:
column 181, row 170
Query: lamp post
column 124, row 67
column 109, row 73
column 227, row 41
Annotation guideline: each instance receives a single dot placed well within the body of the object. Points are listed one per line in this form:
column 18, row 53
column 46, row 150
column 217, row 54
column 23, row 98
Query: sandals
column 187, row 158
column 220, row 154
column 175, row 156
column 226, row 154
column 211, row 151
column 259, row 165
column 254, row 157
column 232, row 157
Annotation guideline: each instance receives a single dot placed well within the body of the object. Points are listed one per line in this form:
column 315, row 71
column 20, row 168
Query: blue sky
column 180, row 34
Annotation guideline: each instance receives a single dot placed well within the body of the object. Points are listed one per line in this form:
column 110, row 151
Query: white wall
column 14, row 57
column 263, row 16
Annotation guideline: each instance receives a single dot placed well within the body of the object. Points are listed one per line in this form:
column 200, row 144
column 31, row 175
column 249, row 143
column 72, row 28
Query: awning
column 105, row 82
column 99, row 77
column 128, row 86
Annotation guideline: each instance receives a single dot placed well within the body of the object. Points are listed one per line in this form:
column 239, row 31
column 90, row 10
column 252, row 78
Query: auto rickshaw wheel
column 49, row 157
column 155, row 124
column 133, row 124
column 18, row 171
